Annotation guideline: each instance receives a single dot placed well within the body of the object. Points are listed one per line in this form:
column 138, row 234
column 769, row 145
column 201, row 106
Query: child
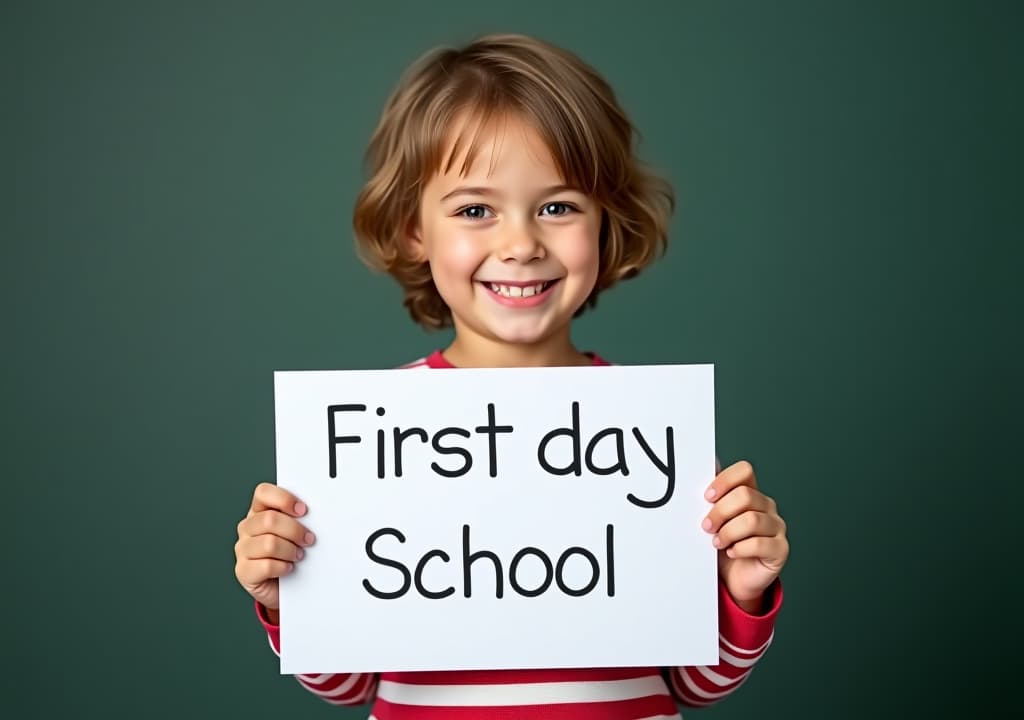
column 504, row 198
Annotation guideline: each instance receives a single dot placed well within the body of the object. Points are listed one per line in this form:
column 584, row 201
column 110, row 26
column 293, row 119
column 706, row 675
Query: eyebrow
column 481, row 190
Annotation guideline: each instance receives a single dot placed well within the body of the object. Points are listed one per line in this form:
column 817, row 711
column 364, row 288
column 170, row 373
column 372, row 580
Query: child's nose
column 520, row 245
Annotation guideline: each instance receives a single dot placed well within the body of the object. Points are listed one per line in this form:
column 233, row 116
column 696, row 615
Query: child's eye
column 473, row 212
column 557, row 209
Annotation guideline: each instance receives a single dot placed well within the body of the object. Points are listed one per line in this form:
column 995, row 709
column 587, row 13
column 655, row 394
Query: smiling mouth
column 519, row 290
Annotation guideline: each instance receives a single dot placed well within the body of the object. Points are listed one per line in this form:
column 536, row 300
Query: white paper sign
column 499, row 518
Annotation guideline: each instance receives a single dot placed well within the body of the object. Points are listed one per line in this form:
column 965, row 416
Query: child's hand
column 270, row 542
column 749, row 534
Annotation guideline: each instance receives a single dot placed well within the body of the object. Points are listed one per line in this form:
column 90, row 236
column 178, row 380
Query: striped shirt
column 592, row 693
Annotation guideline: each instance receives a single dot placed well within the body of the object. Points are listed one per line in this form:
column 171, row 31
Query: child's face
column 513, row 253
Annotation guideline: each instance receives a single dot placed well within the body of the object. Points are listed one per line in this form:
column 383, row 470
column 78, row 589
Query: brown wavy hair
column 575, row 111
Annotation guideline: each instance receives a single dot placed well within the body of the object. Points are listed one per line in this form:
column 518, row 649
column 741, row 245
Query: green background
column 178, row 182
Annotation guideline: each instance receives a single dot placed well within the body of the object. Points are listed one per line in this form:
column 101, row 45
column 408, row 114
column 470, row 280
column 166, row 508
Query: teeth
column 514, row 291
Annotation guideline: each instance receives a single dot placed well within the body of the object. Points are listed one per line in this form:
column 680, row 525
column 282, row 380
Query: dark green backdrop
column 178, row 179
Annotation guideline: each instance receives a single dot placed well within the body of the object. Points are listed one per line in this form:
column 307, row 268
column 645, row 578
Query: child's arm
column 335, row 688
column 742, row 639
column 270, row 542
column 753, row 548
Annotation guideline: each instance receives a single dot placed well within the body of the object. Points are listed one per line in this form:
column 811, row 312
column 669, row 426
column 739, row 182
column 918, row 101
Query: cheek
column 457, row 256
column 581, row 254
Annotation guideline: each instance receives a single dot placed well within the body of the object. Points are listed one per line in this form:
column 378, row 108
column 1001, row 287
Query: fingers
column 272, row 522
column 749, row 524
column 737, row 501
column 254, row 572
column 269, row 544
column 272, row 511
column 741, row 516
column 274, row 497
column 737, row 474
column 270, row 541
column 270, row 547
column 771, row 551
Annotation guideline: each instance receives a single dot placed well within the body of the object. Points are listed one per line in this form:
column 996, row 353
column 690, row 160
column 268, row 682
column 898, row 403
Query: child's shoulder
column 433, row 360
column 436, row 359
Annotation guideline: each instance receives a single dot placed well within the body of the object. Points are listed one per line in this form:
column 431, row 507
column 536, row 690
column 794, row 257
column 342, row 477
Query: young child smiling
column 504, row 196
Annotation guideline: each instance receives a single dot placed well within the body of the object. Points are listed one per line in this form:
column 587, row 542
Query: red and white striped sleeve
column 334, row 688
column 742, row 640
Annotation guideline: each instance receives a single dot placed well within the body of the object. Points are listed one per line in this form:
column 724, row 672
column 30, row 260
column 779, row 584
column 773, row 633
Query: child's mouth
column 520, row 294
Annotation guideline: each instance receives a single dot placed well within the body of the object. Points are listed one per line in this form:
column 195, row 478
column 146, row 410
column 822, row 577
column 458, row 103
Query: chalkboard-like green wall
column 178, row 181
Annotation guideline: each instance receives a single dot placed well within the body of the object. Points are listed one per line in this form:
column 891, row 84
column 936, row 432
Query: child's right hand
column 270, row 542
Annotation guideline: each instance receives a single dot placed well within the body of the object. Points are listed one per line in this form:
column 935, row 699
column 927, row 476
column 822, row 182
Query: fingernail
column 706, row 524
column 299, row 554
column 731, row 553
column 716, row 541
column 309, row 538
column 710, row 493
column 300, row 508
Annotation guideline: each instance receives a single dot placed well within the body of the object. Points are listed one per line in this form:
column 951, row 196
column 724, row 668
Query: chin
column 519, row 338
column 521, row 335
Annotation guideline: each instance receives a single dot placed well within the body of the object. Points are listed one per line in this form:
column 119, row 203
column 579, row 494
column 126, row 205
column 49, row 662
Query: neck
column 479, row 352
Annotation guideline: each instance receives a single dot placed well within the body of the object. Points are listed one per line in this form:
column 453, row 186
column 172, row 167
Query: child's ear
column 412, row 242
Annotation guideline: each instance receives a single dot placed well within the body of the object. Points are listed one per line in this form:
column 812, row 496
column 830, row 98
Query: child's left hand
column 749, row 533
